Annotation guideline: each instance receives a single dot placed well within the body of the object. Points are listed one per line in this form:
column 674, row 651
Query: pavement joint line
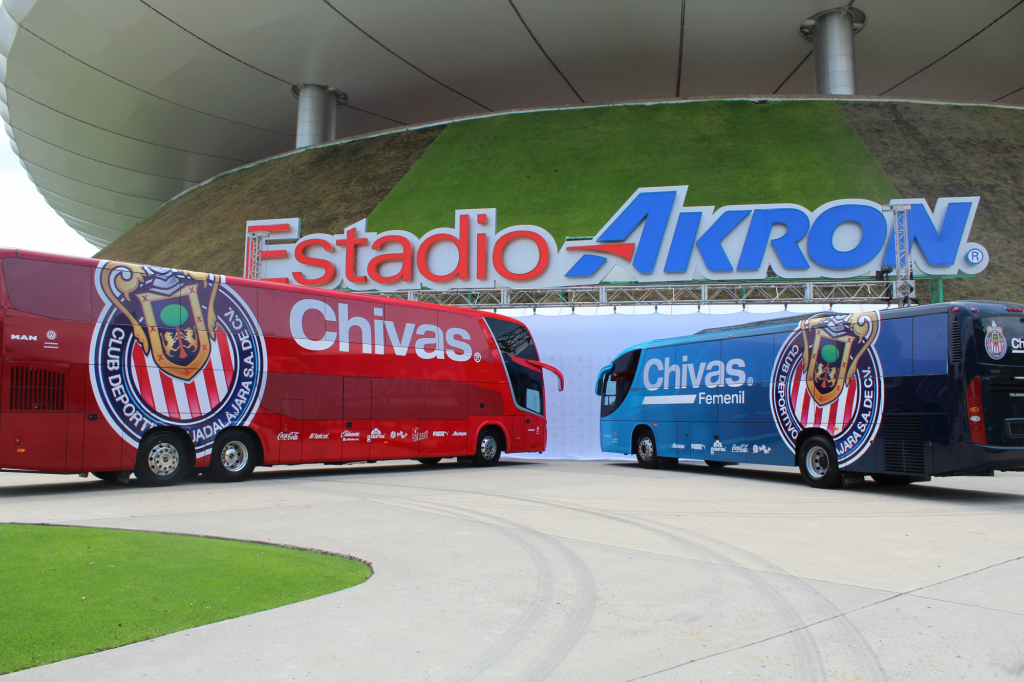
column 767, row 639
column 961, row 603
column 909, row 593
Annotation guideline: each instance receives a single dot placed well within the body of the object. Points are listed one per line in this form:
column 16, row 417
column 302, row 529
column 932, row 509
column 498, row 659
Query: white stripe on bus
column 218, row 367
column 201, row 393
column 670, row 399
column 156, row 386
column 181, row 397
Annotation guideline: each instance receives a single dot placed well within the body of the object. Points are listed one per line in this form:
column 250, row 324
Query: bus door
column 291, row 431
column 534, row 437
column 355, row 434
column 323, row 418
column 397, row 406
column 525, row 379
column 34, row 416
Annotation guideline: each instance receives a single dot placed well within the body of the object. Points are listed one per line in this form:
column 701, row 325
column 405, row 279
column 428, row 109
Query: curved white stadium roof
column 114, row 106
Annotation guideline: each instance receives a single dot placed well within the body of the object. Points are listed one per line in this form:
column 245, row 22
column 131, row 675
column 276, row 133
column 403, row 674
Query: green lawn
column 66, row 592
column 568, row 171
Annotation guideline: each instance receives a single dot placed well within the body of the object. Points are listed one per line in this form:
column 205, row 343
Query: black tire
column 488, row 448
column 107, row 476
column 430, row 461
column 818, row 463
column 891, row 479
column 163, row 459
column 233, row 457
column 646, row 450
column 715, row 464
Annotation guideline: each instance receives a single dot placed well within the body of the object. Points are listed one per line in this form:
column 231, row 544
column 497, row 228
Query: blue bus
column 899, row 394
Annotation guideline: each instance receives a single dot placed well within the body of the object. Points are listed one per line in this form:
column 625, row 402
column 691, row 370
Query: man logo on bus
column 828, row 376
column 995, row 341
column 176, row 348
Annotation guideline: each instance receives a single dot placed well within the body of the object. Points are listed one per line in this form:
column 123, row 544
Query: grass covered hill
column 569, row 170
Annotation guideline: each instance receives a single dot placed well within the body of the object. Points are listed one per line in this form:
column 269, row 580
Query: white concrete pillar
column 311, row 128
column 835, row 71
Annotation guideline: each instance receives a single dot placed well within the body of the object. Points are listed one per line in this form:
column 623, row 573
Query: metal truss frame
column 704, row 293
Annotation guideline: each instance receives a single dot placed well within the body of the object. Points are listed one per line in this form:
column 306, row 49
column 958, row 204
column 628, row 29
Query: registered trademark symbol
column 476, row 357
column 975, row 256
column 750, row 381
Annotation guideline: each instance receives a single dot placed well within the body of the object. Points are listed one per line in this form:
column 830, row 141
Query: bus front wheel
column 819, row 465
column 646, row 450
column 162, row 459
column 488, row 449
column 233, row 457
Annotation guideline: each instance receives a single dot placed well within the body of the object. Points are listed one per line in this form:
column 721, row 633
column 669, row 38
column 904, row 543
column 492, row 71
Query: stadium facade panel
column 115, row 106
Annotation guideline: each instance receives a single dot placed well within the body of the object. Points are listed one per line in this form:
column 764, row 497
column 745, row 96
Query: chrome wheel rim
column 646, row 449
column 234, row 456
column 488, row 447
column 163, row 459
column 817, row 462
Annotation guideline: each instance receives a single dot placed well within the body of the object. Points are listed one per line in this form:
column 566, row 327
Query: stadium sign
column 653, row 237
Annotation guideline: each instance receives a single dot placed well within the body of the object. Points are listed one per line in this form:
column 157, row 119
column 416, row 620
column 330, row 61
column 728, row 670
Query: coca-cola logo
column 293, row 435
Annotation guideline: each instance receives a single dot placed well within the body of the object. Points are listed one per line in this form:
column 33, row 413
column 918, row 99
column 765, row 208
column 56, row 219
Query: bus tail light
column 975, row 415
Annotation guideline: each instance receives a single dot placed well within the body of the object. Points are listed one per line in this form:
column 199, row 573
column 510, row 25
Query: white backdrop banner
column 580, row 345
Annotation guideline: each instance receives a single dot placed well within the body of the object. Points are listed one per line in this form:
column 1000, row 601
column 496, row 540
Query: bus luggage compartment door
column 34, row 421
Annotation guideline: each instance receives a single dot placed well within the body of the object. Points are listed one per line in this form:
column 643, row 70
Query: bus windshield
column 1000, row 339
column 618, row 381
column 514, row 341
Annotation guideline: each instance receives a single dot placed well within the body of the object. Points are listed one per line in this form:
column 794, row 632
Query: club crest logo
column 995, row 341
column 828, row 376
column 177, row 348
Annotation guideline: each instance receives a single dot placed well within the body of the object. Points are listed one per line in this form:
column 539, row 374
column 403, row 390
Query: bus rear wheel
column 233, row 457
column 818, row 463
column 162, row 459
column 646, row 450
column 488, row 449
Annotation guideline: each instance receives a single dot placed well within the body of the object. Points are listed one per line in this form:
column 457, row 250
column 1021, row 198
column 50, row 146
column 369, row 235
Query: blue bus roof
column 781, row 324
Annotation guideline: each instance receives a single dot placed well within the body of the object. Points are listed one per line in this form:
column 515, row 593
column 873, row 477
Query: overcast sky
column 26, row 220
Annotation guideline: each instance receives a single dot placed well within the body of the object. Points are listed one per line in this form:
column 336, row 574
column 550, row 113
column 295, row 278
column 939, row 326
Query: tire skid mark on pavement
column 807, row 660
column 861, row 653
column 575, row 622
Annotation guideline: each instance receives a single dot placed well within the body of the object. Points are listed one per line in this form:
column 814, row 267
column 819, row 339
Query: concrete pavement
column 586, row 571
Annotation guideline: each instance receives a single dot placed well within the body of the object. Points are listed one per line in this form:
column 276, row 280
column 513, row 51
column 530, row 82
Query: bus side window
column 445, row 400
column 323, row 396
column 57, row 290
column 931, row 344
column 357, row 397
column 894, row 346
column 403, row 398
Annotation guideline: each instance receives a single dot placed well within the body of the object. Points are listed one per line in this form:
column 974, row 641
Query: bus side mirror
column 600, row 378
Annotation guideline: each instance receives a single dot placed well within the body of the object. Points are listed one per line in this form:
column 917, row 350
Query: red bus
column 117, row 368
